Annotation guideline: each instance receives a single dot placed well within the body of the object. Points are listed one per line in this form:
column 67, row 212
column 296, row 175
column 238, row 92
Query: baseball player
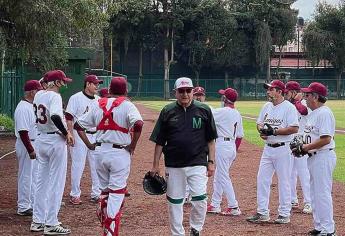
column 199, row 94
column 26, row 133
column 52, row 157
column 78, row 105
column 113, row 117
column 319, row 134
column 299, row 165
column 185, row 133
column 277, row 122
column 229, row 128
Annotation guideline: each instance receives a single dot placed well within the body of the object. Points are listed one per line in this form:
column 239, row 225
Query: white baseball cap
column 183, row 82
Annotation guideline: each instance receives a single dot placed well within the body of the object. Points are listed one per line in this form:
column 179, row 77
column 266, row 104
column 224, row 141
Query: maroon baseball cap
column 316, row 87
column 118, row 85
column 229, row 93
column 292, row 85
column 104, row 92
column 199, row 91
column 275, row 84
column 93, row 79
column 32, row 85
column 56, row 75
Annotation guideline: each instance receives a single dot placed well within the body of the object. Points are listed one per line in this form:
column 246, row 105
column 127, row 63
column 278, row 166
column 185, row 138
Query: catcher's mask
column 154, row 185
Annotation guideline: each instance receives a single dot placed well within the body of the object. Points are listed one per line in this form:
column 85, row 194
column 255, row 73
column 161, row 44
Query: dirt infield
column 147, row 215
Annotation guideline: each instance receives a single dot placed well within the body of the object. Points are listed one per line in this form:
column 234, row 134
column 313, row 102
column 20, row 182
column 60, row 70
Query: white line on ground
column 7, row 154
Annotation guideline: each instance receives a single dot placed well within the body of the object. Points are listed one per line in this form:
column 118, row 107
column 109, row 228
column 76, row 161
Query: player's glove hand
column 267, row 130
column 296, row 146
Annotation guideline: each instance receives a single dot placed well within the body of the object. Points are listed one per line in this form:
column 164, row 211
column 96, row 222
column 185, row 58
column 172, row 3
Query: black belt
column 55, row 132
column 275, row 145
column 32, row 140
column 90, row 132
column 310, row 154
column 114, row 145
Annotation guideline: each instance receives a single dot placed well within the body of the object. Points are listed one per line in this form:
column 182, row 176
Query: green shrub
column 6, row 123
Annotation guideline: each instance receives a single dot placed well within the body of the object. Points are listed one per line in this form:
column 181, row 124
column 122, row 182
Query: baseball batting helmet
column 154, row 185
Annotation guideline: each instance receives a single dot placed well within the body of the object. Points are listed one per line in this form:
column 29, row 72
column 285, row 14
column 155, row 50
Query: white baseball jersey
column 125, row 115
column 303, row 119
column 320, row 122
column 282, row 115
column 79, row 104
column 46, row 104
column 25, row 119
column 228, row 122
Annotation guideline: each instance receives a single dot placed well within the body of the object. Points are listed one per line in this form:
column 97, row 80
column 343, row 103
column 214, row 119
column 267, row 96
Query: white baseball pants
column 79, row 153
column 321, row 167
column 177, row 178
column 27, row 170
column 113, row 167
column 277, row 160
column 225, row 155
column 51, row 178
column 300, row 169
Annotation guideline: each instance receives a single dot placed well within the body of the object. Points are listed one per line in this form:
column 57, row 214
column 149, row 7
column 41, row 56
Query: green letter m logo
column 196, row 122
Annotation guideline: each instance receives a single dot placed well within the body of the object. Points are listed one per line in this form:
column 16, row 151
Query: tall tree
column 328, row 30
column 39, row 31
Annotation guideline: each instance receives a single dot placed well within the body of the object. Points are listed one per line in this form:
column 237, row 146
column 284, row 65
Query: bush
column 6, row 123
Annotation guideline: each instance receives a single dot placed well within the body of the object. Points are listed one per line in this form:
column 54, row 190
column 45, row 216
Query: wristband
column 210, row 161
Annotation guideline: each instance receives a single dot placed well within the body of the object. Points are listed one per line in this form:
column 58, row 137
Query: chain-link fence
column 249, row 88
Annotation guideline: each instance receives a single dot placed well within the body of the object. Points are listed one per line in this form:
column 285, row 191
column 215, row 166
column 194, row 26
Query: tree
column 38, row 32
column 328, row 30
column 282, row 25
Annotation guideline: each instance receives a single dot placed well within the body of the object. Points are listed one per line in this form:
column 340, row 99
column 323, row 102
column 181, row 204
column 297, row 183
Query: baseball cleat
column 27, row 212
column 307, row 209
column 94, row 199
column 127, row 193
column 194, row 232
column 75, row 200
column 282, row 220
column 231, row 212
column 314, row 232
column 258, row 218
column 56, row 230
column 212, row 209
column 36, row 227
column 294, row 204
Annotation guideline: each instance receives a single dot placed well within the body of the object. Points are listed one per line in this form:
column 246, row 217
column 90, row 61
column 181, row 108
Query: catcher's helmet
column 154, row 185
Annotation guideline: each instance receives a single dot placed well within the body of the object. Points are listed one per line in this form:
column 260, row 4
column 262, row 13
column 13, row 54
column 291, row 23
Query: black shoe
column 314, row 232
column 27, row 212
column 127, row 193
column 194, row 232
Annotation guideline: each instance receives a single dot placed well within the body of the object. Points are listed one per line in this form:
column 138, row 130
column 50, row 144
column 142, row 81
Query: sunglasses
column 181, row 90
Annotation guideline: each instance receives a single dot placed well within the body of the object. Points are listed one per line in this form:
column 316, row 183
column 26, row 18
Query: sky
column 307, row 7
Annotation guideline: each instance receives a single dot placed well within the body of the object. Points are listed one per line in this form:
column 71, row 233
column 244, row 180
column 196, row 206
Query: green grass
column 252, row 108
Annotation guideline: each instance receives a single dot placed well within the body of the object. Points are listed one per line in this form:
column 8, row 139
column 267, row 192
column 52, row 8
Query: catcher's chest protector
column 107, row 122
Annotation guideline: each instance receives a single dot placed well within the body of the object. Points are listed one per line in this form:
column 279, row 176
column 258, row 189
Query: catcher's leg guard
column 106, row 221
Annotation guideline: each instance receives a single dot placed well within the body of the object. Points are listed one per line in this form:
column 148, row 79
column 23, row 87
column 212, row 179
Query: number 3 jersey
column 46, row 104
column 320, row 122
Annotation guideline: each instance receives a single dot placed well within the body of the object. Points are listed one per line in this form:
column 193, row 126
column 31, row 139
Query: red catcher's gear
column 103, row 216
column 107, row 122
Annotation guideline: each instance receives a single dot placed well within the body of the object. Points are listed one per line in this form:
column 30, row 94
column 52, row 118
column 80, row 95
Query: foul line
column 252, row 118
column 7, row 154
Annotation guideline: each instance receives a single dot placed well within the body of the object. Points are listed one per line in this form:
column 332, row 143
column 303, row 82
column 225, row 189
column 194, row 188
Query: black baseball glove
column 154, row 184
column 267, row 130
column 296, row 146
